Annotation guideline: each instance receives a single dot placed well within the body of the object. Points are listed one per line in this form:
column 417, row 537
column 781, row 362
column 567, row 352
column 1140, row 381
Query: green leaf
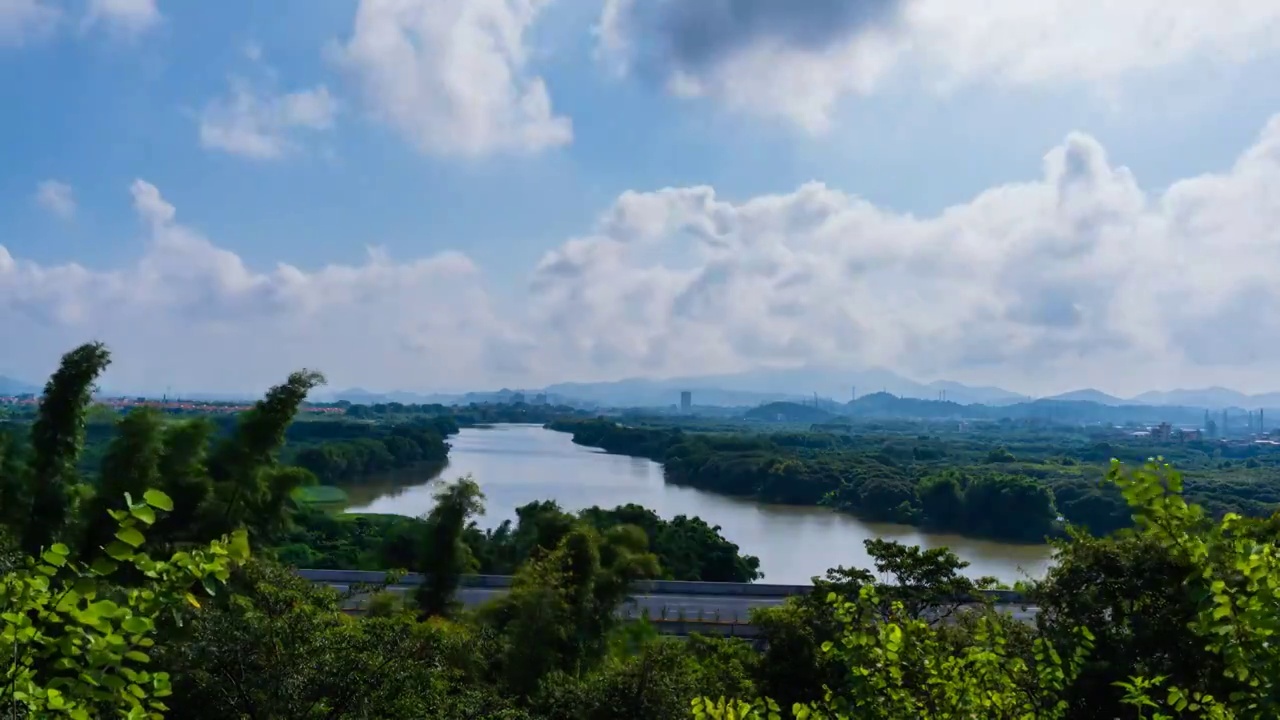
column 130, row 536
column 136, row 625
column 158, row 500
column 144, row 513
column 105, row 608
column 103, row 566
column 119, row 551
column 238, row 548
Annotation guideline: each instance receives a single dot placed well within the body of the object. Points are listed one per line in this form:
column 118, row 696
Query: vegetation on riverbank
column 472, row 415
column 136, row 595
column 1016, row 486
column 374, row 449
column 685, row 548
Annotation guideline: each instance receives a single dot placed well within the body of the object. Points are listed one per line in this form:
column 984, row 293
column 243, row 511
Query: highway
column 696, row 608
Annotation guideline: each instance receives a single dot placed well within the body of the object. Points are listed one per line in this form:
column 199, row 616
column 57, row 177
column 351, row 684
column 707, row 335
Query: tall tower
column 686, row 401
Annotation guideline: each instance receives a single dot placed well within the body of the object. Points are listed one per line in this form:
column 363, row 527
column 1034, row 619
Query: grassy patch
column 320, row 496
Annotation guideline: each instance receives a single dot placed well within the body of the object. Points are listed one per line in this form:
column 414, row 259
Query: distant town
column 166, row 405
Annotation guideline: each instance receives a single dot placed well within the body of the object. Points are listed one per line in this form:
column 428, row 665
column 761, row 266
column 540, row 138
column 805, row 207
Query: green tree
column 57, row 437
column 561, row 608
column 652, row 682
column 249, row 488
column 131, row 466
column 446, row 558
column 1235, row 580
column 279, row 647
column 1130, row 592
column 13, row 490
column 184, row 477
column 925, row 585
column 902, row 668
column 942, row 501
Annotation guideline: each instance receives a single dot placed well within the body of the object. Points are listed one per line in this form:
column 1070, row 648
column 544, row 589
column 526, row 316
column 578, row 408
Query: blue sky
column 163, row 160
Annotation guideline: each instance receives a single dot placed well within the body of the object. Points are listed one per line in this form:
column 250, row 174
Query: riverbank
column 971, row 501
column 352, row 452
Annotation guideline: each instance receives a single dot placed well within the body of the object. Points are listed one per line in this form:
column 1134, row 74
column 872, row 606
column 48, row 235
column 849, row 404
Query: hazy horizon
column 962, row 393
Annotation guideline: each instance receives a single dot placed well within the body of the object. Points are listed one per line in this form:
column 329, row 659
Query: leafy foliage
column 1235, row 577
column 81, row 645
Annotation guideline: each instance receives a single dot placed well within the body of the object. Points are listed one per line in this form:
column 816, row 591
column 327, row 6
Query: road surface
column 706, row 608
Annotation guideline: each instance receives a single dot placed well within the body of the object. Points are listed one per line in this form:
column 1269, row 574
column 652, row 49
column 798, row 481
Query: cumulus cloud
column 126, row 17
column 1076, row 277
column 24, row 20
column 453, row 77
column 1078, row 274
column 56, row 197
column 797, row 60
column 259, row 124
column 191, row 313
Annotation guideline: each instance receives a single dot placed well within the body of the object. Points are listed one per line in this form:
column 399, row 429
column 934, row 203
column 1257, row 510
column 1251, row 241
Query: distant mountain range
column 764, row 386
column 769, row 385
column 1213, row 398
column 757, row 387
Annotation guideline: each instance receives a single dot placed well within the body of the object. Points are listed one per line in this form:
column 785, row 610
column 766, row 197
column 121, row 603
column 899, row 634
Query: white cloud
column 797, row 60
column 24, row 20
column 1077, row 277
column 190, row 313
column 256, row 123
column 56, row 197
column 453, row 77
column 127, row 17
column 1080, row 274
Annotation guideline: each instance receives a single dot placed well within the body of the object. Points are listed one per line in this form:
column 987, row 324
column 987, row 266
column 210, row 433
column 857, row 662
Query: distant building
column 517, row 398
column 540, row 399
column 686, row 401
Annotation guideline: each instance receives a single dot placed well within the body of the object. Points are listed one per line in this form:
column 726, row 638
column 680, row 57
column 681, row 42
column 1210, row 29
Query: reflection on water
column 517, row 464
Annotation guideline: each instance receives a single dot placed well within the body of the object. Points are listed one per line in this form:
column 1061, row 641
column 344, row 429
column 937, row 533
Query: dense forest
column 149, row 589
column 999, row 482
column 471, row 415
